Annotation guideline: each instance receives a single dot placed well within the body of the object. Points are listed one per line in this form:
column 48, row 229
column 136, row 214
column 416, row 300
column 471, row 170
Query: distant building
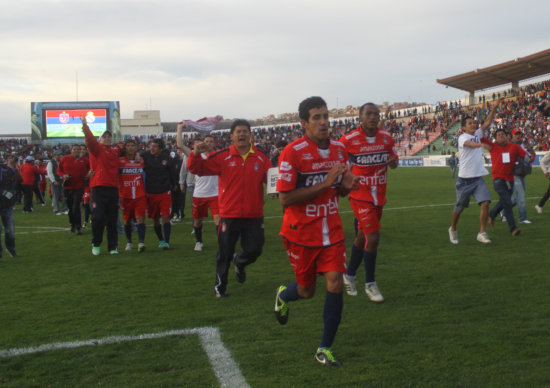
column 145, row 122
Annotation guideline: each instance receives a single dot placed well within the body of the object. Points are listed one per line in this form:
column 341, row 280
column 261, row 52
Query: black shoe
column 12, row 252
column 73, row 229
column 79, row 231
column 220, row 295
column 240, row 274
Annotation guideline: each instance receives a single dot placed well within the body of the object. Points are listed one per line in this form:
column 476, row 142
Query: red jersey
column 104, row 161
column 504, row 158
column 76, row 168
column 28, row 171
column 240, row 188
column 315, row 223
column 369, row 157
column 130, row 178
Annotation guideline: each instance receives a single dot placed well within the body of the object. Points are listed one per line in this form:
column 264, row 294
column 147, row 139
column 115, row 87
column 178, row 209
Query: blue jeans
column 504, row 190
column 519, row 197
column 8, row 221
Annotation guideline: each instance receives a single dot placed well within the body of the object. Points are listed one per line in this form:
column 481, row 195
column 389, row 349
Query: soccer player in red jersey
column 133, row 199
column 312, row 175
column 371, row 151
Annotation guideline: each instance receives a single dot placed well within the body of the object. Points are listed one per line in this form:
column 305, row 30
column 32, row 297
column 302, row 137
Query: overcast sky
column 251, row 58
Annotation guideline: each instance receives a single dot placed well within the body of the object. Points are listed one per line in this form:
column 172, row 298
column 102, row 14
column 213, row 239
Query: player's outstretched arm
column 179, row 140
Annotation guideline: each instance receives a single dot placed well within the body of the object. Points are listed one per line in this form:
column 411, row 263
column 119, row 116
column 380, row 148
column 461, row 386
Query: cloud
column 247, row 58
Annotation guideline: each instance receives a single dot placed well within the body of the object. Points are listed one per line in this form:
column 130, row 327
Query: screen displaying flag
column 67, row 123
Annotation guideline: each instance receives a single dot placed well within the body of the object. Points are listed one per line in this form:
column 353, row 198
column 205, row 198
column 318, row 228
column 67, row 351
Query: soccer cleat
column 129, row 246
column 325, row 357
column 240, row 274
column 372, row 291
column 516, row 232
column 525, row 222
column 281, row 308
column 164, row 245
column 141, row 247
column 538, row 209
column 350, row 283
column 11, row 252
column 198, row 246
column 483, row 238
column 453, row 236
column 96, row 251
column 113, row 251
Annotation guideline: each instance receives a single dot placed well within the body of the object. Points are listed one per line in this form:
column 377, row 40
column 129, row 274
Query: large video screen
column 60, row 121
column 67, row 123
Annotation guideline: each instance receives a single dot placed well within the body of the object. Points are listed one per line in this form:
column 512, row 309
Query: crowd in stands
column 417, row 126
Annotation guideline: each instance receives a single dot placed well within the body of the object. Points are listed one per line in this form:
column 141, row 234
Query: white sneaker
column 525, row 222
column 350, row 284
column 141, row 247
column 483, row 238
column 372, row 291
column 453, row 236
column 198, row 246
column 129, row 247
column 538, row 209
column 504, row 219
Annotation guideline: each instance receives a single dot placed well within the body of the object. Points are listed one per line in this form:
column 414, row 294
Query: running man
column 371, row 151
column 313, row 174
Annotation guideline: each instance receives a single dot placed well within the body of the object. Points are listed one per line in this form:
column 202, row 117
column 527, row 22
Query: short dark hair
column 367, row 104
column 107, row 133
column 238, row 122
column 308, row 104
column 159, row 142
column 464, row 119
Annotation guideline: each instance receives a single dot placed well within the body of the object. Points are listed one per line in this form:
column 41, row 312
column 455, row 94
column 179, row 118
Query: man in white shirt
column 56, row 184
column 205, row 193
column 471, row 170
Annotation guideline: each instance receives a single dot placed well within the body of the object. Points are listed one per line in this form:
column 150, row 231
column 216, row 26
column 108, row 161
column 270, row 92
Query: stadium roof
column 513, row 71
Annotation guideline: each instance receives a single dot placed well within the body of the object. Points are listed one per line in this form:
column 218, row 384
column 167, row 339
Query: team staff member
column 160, row 179
column 74, row 170
column 242, row 171
column 310, row 182
column 371, row 151
column 104, row 188
column 503, row 158
column 133, row 200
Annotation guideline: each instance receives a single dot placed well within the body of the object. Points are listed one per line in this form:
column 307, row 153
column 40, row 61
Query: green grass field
column 455, row 316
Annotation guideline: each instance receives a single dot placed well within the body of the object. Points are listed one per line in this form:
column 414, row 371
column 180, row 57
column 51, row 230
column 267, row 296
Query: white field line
column 225, row 368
